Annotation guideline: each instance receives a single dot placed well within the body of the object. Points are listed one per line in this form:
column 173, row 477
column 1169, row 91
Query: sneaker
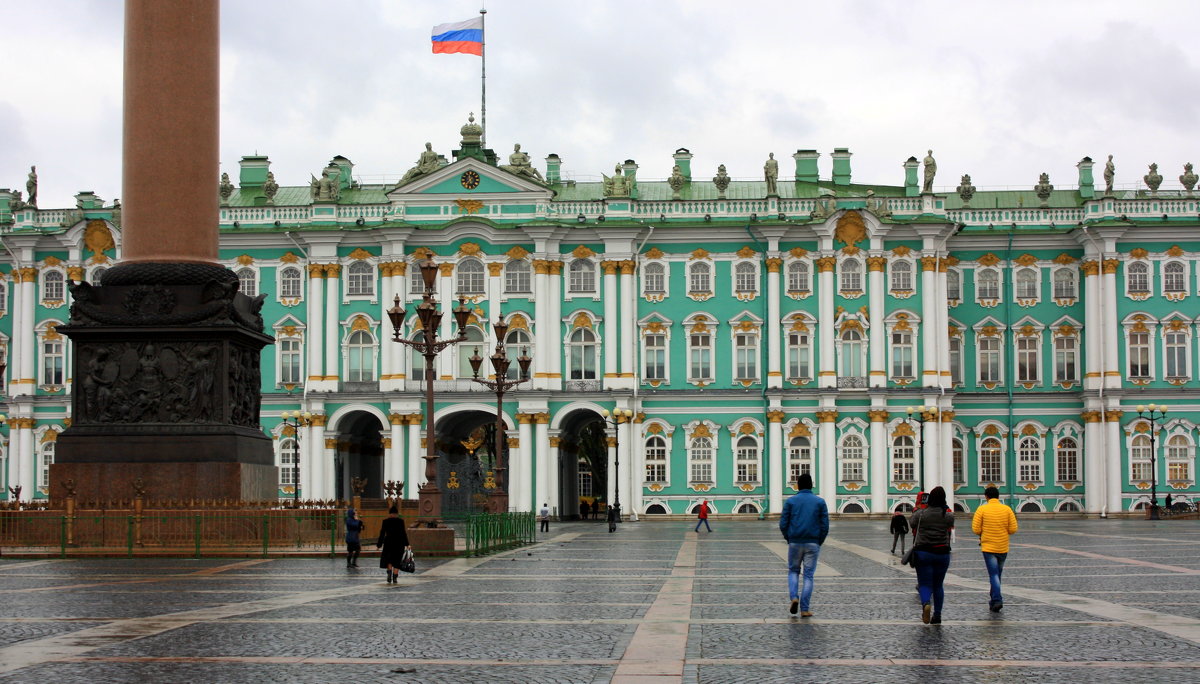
column 936, row 619
column 996, row 606
column 926, row 609
column 806, row 613
column 794, row 607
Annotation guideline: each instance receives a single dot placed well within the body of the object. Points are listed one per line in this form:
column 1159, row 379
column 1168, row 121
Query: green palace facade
column 756, row 330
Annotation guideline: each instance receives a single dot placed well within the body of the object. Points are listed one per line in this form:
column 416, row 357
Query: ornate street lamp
column 296, row 420
column 501, row 384
column 924, row 414
column 429, row 346
column 615, row 418
column 1156, row 415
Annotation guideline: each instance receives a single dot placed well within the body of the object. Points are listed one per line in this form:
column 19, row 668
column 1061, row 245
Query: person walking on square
column 804, row 522
column 393, row 539
column 544, row 516
column 584, row 509
column 702, row 516
column 353, row 545
column 899, row 530
column 932, row 526
column 994, row 522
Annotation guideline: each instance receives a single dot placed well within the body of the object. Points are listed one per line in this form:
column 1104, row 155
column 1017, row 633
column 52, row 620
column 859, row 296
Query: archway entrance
column 359, row 455
column 582, row 464
column 466, row 461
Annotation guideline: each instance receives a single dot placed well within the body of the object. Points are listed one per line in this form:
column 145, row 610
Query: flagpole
column 483, row 75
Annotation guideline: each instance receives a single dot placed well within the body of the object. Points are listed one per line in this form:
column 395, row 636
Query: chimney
column 630, row 168
column 911, row 188
column 1087, row 187
column 553, row 170
column 253, row 172
column 345, row 168
column 683, row 159
column 841, row 166
column 806, row 165
column 86, row 199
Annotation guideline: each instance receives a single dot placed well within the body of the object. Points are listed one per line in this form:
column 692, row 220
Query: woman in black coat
column 393, row 539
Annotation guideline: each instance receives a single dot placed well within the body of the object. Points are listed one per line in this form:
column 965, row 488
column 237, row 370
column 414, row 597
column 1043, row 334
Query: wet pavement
column 1085, row 600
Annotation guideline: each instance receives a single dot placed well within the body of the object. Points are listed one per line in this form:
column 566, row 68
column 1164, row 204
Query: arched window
column 581, row 354
column 1138, row 277
column 745, row 278
column 797, row 277
column 1064, row 283
column 360, row 357
column 1068, row 507
column 470, row 277
column 800, row 459
column 97, row 273
column 289, row 460
column 1066, row 458
column 988, row 286
column 1174, row 279
column 1027, row 283
column 52, row 286
column 656, row 509
column 902, row 279
column 1179, row 458
column 1029, row 460
column 582, row 276
column 958, row 461
column 852, row 349
column 700, row 452
column 1030, row 507
column 416, row 282
column 851, row 276
column 656, row 460
column 474, row 342
column 45, row 460
column 290, row 281
column 953, row 286
column 1139, row 458
column 517, row 278
column 700, row 278
column 853, row 508
column 654, row 278
column 747, row 508
column 360, row 279
column 904, row 459
column 516, row 343
column 248, row 282
column 991, row 470
column 416, row 360
column 853, row 459
column 747, row 460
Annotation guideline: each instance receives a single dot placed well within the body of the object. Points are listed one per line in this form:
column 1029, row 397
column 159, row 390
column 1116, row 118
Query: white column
column 946, row 457
column 1112, row 457
column 610, row 481
column 332, row 324
column 306, row 461
column 878, row 358
column 554, row 334
column 386, row 361
column 445, row 360
column 628, row 315
column 1093, row 330
column 27, row 336
column 415, row 464
column 21, row 338
column 774, row 331
column 393, row 464
column 555, row 487
column 26, row 460
column 398, row 351
column 939, row 333
column 637, row 472
column 1095, row 481
column 879, row 460
column 542, row 325
column 775, row 460
column 931, row 472
column 611, row 349
column 827, row 461
column 328, row 472
column 1112, row 367
column 495, row 291
column 825, row 330
column 313, row 487
column 521, row 466
column 930, row 377
column 541, row 450
column 314, row 331
column 625, row 476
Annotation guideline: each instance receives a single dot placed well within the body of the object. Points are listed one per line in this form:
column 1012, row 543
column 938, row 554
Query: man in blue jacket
column 805, row 523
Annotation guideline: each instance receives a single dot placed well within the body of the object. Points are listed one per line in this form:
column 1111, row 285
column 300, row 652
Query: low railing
column 486, row 533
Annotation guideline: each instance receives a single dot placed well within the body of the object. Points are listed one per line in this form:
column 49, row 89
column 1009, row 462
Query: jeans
column 995, row 568
column 545, row 524
column 703, row 521
column 898, row 537
column 931, row 572
column 802, row 558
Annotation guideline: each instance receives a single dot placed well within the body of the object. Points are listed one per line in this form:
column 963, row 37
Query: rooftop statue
column 826, row 204
column 1043, row 189
column 226, row 188
column 965, row 190
column 617, row 185
column 426, row 164
column 1110, row 171
column 1188, row 179
column 518, row 164
column 721, row 180
column 930, row 172
column 1153, row 179
column 676, row 181
column 31, row 187
column 877, row 205
column 328, row 187
column 270, row 187
column 771, row 172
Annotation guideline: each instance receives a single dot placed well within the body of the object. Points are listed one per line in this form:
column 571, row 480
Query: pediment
column 457, row 179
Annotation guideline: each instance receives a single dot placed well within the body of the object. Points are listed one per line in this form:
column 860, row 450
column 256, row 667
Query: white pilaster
column 628, row 316
column 312, row 487
column 521, row 467
column 315, row 331
column 774, row 330
column 1093, row 330
column 325, row 484
column 625, row 468
column 938, row 334
column 332, row 338
column 416, row 463
column 930, row 377
column 393, row 464
column 1095, row 480
column 876, row 349
column 23, row 381
column 552, row 468
column 775, row 461
column 1112, row 457
column 543, row 325
column 611, row 349
column 542, row 471
column 827, row 475
column 1112, row 367
column 447, row 330
column 946, row 458
column 26, row 460
column 554, row 321
column 825, row 329
column 880, row 479
column 28, row 349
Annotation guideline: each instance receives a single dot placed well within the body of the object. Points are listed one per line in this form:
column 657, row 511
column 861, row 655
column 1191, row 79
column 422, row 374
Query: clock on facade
column 469, row 180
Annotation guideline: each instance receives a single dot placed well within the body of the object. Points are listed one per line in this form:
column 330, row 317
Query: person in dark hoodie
column 899, row 530
column 804, row 522
column 393, row 539
column 353, row 544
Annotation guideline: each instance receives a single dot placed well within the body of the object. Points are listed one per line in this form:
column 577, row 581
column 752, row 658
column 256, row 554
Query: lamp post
column 924, row 415
column 500, row 364
column 428, row 346
column 1155, row 414
column 296, row 420
column 615, row 418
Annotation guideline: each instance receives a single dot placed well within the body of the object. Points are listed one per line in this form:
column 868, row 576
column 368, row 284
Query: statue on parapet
column 877, row 205
column 930, row 172
column 1110, row 172
column 328, row 187
column 225, row 188
column 617, row 185
column 426, row 164
column 31, row 187
column 771, row 173
column 519, row 164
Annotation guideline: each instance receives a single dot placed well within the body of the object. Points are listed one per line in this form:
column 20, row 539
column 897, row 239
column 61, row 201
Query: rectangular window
column 956, row 361
column 990, row 469
column 585, row 479
column 1066, row 360
column 746, row 351
column 799, row 356
column 1179, row 470
column 1027, row 359
column 700, row 357
column 902, row 354
column 289, row 361
column 1177, row 355
column 747, row 464
column 1138, row 354
column 52, row 362
column 656, row 356
column 989, row 360
column 959, row 463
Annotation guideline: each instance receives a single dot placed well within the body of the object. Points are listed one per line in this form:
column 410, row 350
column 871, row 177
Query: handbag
column 910, row 556
column 407, row 564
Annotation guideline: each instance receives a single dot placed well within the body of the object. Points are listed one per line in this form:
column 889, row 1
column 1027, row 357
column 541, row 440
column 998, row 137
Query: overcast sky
column 1003, row 91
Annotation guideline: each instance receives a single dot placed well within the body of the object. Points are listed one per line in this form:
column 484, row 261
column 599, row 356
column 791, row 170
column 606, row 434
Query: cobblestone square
column 1085, row 600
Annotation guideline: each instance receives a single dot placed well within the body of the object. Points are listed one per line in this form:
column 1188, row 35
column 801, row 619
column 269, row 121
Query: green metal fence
column 486, row 533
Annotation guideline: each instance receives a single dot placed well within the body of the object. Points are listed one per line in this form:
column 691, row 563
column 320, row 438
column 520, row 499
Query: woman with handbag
column 393, row 539
column 932, row 527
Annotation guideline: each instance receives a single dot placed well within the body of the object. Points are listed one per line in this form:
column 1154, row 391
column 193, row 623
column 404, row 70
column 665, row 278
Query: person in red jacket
column 702, row 514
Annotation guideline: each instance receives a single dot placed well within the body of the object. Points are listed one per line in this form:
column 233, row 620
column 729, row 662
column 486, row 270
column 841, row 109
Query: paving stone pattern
column 1087, row 600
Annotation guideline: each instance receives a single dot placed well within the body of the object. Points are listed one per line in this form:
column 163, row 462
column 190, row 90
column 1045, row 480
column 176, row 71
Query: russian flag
column 464, row 36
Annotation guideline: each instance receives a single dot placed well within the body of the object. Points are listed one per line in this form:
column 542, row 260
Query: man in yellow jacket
column 994, row 523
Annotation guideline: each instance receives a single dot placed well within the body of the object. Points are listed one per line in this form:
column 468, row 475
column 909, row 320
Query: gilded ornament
column 245, row 259
column 582, row 252
column 700, row 253
column 798, row 252
column 988, row 259
column 745, row 252
column 850, row 228
column 446, row 269
column 654, row 253
column 581, row 320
